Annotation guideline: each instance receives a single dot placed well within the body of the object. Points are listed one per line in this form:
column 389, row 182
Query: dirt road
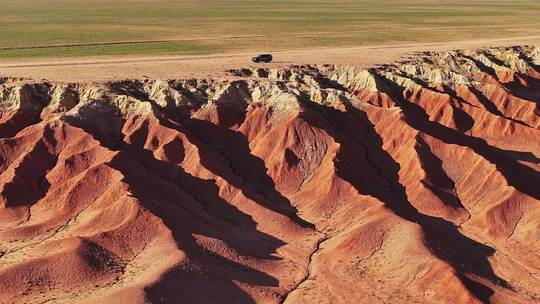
column 215, row 66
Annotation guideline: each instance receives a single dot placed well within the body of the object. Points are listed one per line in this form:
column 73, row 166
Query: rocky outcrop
column 413, row 182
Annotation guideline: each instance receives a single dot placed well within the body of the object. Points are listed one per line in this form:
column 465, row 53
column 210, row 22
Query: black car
column 263, row 58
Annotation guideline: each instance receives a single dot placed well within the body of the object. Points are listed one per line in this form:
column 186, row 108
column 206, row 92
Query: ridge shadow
column 245, row 171
column 192, row 206
column 442, row 237
column 437, row 180
column 522, row 177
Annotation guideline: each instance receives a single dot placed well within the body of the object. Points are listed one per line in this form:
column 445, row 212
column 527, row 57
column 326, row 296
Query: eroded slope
column 411, row 182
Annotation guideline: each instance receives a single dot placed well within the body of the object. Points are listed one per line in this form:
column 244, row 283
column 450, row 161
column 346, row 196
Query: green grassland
column 217, row 26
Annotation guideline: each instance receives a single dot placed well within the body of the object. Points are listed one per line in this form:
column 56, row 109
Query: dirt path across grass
column 215, row 66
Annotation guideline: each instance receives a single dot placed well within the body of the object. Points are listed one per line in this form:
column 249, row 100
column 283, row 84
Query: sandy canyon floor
column 410, row 182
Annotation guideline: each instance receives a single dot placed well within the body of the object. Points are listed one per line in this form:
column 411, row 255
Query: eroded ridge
column 412, row 182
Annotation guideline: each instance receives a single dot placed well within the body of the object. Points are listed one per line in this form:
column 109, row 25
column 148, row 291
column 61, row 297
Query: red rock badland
column 414, row 182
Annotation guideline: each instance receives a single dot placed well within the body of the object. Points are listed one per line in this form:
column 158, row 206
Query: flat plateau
column 103, row 69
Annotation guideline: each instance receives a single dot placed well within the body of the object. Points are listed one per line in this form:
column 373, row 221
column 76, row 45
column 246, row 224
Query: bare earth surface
column 414, row 182
column 215, row 66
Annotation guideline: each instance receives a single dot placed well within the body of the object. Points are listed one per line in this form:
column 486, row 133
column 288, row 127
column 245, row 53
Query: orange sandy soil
column 416, row 182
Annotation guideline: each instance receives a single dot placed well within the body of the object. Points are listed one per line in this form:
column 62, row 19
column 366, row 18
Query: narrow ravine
column 308, row 271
